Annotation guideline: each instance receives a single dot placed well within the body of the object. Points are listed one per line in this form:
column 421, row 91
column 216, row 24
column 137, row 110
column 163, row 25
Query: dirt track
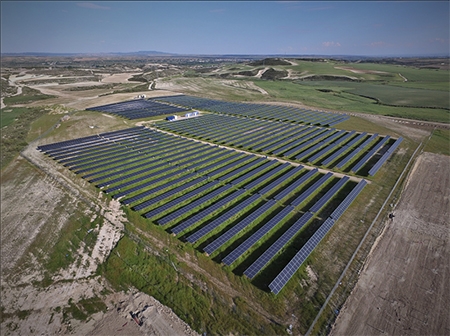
column 404, row 287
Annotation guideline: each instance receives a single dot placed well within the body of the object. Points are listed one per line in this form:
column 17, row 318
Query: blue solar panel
column 222, row 218
column 247, row 244
column 167, row 194
column 337, row 213
column 331, row 146
column 279, row 180
column 180, row 199
column 328, row 195
column 207, row 211
column 385, row 156
column 264, row 258
column 366, row 157
column 240, row 170
column 266, row 176
column 356, row 151
column 304, row 195
column 153, row 190
column 213, row 246
column 286, row 191
column 178, row 213
column 285, row 275
column 253, row 172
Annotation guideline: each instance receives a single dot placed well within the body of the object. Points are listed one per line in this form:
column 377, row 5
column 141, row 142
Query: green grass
column 439, row 142
column 28, row 95
column 41, row 125
column 205, row 311
column 14, row 136
column 9, row 115
column 344, row 101
column 387, row 94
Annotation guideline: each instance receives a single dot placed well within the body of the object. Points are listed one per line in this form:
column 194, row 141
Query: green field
column 338, row 99
column 28, row 95
column 439, row 142
column 384, row 89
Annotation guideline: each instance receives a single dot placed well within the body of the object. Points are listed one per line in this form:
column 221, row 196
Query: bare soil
column 404, row 287
column 37, row 205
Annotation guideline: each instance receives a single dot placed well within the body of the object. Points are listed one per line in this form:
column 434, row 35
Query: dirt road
column 404, row 287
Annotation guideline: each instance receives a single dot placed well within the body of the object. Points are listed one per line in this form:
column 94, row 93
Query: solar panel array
column 254, row 238
column 385, row 156
column 372, row 152
column 294, row 264
column 201, row 191
column 137, row 109
column 298, row 142
column 259, row 111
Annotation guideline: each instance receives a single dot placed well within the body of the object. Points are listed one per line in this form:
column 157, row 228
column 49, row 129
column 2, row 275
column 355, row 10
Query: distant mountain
column 134, row 53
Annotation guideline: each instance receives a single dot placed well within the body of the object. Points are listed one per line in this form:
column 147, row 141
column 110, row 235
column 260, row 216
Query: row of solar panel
column 385, row 156
column 260, row 111
column 283, row 142
column 295, row 263
column 138, row 109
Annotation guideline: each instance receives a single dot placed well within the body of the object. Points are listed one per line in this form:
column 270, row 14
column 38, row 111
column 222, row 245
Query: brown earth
column 37, row 205
column 404, row 287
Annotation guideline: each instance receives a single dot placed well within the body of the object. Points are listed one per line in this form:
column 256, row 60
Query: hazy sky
column 215, row 27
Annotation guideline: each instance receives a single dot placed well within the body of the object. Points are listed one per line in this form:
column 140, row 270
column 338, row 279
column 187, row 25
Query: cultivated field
column 403, row 288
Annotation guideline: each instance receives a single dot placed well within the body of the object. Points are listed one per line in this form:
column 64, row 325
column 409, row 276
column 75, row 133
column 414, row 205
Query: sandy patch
column 359, row 71
column 118, row 78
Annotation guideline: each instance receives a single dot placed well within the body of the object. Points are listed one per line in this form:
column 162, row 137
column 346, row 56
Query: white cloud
column 378, row 44
column 331, row 44
column 91, row 5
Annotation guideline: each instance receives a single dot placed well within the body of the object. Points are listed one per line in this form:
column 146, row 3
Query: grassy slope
column 439, row 142
column 28, row 95
column 343, row 101
column 380, row 90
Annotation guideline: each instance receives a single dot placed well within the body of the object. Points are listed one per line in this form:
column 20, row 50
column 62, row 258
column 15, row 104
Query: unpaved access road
column 404, row 288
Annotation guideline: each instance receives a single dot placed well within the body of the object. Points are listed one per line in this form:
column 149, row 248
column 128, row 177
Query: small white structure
column 172, row 118
column 191, row 114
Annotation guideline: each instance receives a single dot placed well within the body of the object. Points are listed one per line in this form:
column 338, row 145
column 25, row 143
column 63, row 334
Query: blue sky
column 230, row 27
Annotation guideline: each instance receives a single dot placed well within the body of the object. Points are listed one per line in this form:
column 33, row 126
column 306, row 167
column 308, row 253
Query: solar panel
column 253, row 172
column 331, row 146
column 385, row 156
column 266, row 176
column 153, row 190
column 192, row 205
column 222, row 218
column 286, row 191
column 249, row 242
column 180, row 199
column 280, row 180
column 304, row 195
column 207, row 211
column 268, row 255
column 366, row 157
column 240, row 169
column 289, row 270
column 355, row 151
column 168, row 194
column 337, row 213
column 225, row 237
column 139, row 179
column 328, row 195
